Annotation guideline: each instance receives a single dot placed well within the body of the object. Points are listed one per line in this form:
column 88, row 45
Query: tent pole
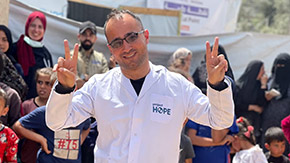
column 4, row 8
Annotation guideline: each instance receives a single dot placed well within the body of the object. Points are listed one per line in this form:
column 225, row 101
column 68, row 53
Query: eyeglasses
column 129, row 38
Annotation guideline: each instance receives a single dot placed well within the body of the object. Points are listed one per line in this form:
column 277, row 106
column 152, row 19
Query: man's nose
column 126, row 45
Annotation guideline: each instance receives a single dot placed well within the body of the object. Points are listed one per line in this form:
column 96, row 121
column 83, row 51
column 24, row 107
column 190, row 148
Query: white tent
column 240, row 47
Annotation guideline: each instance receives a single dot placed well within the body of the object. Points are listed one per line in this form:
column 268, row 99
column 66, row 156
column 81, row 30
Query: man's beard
column 86, row 46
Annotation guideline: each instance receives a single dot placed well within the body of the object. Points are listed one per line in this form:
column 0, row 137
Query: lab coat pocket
column 161, row 108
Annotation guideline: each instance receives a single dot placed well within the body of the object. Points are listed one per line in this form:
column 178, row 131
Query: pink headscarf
column 25, row 54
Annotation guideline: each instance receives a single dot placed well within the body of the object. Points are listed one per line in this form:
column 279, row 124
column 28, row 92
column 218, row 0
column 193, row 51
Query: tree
column 265, row 16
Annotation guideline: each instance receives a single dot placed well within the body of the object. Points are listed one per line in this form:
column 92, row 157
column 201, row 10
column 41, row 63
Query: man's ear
column 5, row 111
column 146, row 34
column 267, row 146
column 79, row 36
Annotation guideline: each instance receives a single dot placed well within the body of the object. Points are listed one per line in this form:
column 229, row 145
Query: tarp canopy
column 241, row 48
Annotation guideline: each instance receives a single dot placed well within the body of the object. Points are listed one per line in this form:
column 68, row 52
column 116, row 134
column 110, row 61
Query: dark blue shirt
column 64, row 145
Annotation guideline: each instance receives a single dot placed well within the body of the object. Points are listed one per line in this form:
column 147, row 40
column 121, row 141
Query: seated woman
column 30, row 52
column 8, row 74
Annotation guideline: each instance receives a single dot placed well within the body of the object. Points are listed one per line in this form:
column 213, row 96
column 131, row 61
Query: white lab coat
column 144, row 128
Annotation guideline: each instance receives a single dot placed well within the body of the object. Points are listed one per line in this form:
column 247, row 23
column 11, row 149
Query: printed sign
column 202, row 17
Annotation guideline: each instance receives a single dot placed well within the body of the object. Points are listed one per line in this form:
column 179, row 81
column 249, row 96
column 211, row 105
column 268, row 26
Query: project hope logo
column 159, row 109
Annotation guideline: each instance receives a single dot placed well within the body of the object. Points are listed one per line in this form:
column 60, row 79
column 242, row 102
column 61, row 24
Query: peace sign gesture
column 66, row 68
column 216, row 65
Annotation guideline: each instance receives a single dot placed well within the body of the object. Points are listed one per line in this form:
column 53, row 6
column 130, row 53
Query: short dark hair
column 4, row 96
column 117, row 13
column 274, row 133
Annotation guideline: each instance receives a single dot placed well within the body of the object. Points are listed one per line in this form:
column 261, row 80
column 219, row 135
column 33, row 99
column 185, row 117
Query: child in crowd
column 44, row 78
column 63, row 146
column 14, row 103
column 89, row 143
column 186, row 152
column 205, row 143
column 245, row 144
column 275, row 143
column 8, row 139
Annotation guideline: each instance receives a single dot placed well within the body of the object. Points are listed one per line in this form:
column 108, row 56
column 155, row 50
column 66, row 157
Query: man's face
column 43, row 86
column 87, row 39
column 130, row 56
column 276, row 148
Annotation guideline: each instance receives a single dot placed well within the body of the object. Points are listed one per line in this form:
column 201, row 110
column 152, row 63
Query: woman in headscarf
column 200, row 74
column 30, row 52
column 5, row 40
column 279, row 106
column 181, row 59
column 250, row 96
column 281, row 78
column 9, row 74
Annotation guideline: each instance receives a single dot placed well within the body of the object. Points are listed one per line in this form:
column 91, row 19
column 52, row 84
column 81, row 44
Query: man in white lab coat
column 139, row 107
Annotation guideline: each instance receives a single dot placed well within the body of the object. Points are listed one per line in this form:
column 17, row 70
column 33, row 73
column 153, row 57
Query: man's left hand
column 216, row 65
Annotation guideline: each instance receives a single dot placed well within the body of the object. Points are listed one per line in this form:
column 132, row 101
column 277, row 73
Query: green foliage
column 265, row 16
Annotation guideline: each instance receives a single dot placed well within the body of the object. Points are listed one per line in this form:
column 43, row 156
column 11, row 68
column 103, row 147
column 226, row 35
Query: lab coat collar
column 150, row 79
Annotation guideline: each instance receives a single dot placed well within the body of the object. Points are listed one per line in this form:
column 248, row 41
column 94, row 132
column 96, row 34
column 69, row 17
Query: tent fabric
column 241, row 47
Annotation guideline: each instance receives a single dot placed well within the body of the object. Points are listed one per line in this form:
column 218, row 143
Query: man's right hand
column 66, row 68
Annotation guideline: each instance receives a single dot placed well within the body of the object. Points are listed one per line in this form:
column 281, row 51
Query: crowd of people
column 87, row 109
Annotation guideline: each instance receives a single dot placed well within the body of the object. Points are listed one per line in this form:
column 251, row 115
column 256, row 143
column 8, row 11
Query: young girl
column 8, row 139
column 245, row 144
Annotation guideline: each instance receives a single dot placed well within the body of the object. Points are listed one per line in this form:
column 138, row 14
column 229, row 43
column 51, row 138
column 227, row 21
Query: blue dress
column 213, row 154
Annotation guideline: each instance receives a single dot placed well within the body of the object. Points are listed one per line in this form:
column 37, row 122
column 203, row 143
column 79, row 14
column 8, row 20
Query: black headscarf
column 248, row 84
column 229, row 73
column 281, row 75
column 1, row 61
column 9, row 38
